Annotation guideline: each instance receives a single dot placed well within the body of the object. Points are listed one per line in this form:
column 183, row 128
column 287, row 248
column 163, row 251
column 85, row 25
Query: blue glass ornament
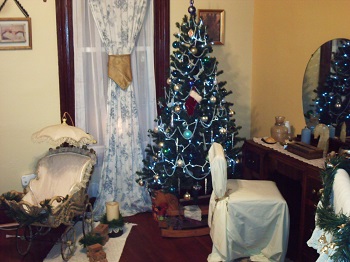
column 172, row 189
column 175, row 73
column 176, row 44
column 187, row 134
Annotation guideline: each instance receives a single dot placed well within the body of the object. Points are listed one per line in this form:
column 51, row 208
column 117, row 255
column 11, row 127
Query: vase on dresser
column 279, row 131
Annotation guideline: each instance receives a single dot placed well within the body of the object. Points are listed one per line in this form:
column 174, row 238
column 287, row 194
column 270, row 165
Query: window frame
column 64, row 24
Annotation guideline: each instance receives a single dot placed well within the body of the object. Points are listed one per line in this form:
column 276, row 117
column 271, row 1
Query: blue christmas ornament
column 176, row 44
column 172, row 189
column 187, row 134
column 175, row 73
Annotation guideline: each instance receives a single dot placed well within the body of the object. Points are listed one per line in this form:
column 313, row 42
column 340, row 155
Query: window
column 66, row 50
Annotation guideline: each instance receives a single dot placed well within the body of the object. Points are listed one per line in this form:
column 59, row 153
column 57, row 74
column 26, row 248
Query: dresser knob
column 251, row 161
column 314, row 191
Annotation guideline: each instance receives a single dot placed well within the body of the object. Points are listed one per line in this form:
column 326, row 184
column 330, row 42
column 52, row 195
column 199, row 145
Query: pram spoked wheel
column 24, row 236
column 68, row 243
column 88, row 219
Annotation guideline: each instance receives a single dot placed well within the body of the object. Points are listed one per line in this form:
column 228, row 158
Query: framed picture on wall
column 215, row 22
column 15, row 33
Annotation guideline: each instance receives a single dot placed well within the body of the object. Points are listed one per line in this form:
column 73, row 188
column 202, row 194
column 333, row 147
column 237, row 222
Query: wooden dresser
column 298, row 182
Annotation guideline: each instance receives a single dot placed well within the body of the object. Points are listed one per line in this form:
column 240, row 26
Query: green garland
column 336, row 224
column 113, row 223
column 34, row 215
column 91, row 239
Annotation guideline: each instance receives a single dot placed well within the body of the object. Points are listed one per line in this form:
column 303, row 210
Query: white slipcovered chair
column 247, row 218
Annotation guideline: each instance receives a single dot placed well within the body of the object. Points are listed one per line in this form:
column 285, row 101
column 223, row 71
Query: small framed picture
column 15, row 33
column 215, row 22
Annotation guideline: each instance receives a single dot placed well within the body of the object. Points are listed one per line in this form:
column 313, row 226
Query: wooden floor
column 143, row 244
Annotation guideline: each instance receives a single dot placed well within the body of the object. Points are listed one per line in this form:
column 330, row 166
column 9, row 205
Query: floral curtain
column 119, row 22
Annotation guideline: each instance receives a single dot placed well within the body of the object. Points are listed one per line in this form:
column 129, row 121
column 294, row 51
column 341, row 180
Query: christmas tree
column 332, row 103
column 194, row 114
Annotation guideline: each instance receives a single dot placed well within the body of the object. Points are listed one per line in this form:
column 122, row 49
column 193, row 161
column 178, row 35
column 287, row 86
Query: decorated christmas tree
column 332, row 103
column 194, row 114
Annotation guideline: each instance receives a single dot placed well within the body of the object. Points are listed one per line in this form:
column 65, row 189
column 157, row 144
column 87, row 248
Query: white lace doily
column 319, row 162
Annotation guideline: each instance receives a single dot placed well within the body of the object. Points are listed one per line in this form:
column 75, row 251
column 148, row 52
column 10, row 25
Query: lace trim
column 83, row 141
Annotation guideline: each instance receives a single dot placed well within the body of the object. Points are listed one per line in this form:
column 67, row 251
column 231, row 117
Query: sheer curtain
column 90, row 66
column 143, row 77
column 92, row 98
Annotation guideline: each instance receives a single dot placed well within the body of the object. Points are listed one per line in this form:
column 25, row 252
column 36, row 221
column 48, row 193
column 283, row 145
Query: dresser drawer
column 313, row 186
column 254, row 160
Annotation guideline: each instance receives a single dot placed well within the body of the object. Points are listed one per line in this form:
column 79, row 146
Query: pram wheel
column 88, row 219
column 24, row 235
column 68, row 245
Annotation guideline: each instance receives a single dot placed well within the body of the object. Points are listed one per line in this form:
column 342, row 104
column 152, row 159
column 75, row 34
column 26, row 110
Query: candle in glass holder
column 112, row 210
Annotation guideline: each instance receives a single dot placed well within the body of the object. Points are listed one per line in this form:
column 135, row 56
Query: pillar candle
column 112, row 209
column 331, row 131
column 306, row 135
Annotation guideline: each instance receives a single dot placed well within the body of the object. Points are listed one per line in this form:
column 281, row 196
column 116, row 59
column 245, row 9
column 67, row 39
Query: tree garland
column 336, row 224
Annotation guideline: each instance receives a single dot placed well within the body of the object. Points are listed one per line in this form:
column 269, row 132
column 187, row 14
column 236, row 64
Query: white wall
column 286, row 34
column 29, row 93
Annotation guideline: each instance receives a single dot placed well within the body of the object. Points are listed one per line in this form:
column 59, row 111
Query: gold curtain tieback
column 218, row 199
column 119, row 70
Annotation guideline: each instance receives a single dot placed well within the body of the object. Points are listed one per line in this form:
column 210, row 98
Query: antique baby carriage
column 58, row 195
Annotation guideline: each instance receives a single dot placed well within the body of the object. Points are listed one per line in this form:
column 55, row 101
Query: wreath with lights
column 338, row 225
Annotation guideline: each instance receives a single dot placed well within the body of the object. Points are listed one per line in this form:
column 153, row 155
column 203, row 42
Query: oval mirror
column 326, row 85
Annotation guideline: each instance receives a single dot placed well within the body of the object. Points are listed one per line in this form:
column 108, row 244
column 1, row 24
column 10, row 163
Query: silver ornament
column 329, row 165
column 231, row 113
column 204, row 118
column 187, row 196
column 197, row 187
column 222, row 130
column 213, row 99
column 180, row 163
